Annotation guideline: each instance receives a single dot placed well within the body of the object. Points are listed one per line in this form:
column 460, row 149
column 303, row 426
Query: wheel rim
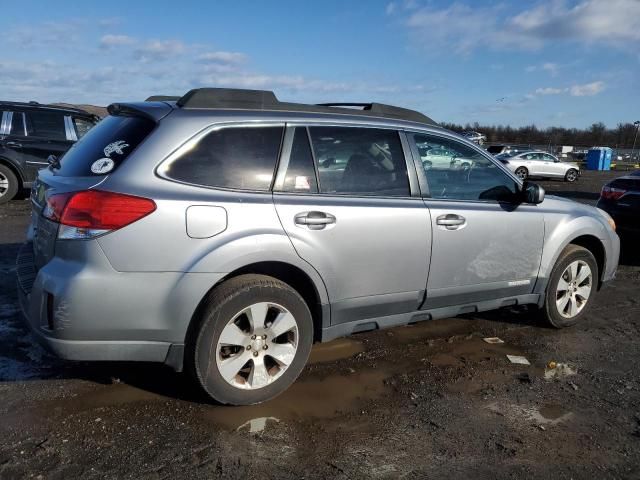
column 4, row 184
column 521, row 173
column 571, row 176
column 257, row 346
column 574, row 289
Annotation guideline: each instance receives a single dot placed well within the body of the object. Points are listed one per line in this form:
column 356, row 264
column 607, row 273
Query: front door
column 350, row 214
column 485, row 246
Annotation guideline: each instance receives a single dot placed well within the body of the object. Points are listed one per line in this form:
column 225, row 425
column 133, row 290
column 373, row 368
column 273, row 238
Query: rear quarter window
column 241, row 158
column 104, row 147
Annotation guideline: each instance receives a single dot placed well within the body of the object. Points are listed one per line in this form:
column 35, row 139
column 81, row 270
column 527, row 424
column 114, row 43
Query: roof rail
column 162, row 98
column 228, row 98
column 233, row 98
column 382, row 110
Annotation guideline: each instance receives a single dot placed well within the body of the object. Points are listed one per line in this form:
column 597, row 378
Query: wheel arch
column 292, row 275
column 17, row 172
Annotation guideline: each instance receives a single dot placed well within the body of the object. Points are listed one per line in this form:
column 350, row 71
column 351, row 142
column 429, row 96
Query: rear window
column 234, row 157
column 105, row 146
column 626, row 184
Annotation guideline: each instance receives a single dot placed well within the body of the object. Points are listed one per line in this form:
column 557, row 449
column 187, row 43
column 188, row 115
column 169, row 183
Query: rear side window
column 301, row 175
column 234, row 157
column 105, row 146
column 49, row 125
column 360, row 161
column 17, row 124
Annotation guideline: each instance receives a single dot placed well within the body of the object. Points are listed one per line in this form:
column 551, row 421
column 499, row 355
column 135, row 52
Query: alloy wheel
column 257, row 345
column 574, row 289
column 4, row 184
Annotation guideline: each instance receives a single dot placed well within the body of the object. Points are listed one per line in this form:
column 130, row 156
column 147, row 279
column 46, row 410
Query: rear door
column 344, row 197
column 46, row 135
column 485, row 245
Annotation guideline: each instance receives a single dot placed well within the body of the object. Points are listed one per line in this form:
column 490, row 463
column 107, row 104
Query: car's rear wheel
column 571, row 287
column 522, row 173
column 571, row 175
column 8, row 184
column 253, row 340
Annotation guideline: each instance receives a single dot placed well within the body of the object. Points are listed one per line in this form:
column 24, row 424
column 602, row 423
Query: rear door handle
column 314, row 220
column 13, row 144
column 451, row 221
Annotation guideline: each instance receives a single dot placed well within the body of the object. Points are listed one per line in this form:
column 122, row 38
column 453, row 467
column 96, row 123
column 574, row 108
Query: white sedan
column 539, row 164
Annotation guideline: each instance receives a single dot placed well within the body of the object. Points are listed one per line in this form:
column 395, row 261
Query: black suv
column 29, row 133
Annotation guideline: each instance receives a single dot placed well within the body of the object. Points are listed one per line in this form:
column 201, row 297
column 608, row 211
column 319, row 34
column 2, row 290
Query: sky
column 549, row 62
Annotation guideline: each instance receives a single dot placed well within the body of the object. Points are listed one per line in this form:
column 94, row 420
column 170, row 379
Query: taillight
column 611, row 193
column 90, row 213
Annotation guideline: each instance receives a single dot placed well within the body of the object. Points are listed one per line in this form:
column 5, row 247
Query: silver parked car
column 539, row 164
column 224, row 232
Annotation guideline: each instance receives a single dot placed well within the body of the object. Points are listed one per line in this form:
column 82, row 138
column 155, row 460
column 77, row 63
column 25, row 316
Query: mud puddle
column 335, row 350
column 312, row 398
column 546, row 414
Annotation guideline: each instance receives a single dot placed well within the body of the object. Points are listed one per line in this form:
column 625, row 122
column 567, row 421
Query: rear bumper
column 87, row 311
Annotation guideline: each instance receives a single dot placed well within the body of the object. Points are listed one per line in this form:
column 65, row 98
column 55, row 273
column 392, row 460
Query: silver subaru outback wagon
column 224, row 232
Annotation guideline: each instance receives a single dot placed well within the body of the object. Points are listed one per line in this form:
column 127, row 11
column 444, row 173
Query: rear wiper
column 53, row 161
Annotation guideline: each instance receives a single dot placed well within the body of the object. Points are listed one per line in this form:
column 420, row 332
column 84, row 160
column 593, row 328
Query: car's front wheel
column 571, row 175
column 252, row 342
column 8, row 184
column 571, row 287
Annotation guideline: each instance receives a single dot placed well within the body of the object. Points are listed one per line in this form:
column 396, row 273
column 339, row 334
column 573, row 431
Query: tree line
column 596, row 135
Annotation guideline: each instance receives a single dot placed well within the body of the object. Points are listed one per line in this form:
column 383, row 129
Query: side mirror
column 532, row 192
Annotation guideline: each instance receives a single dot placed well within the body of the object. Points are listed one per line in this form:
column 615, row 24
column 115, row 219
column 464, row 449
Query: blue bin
column 599, row 158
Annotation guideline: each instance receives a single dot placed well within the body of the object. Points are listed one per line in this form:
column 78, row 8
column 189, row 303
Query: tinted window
column 360, row 161
column 239, row 157
column 17, row 124
column 301, row 175
column 48, row 125
column 464, row 174
column 113, row 138
column 82, row 126
column 548, row 158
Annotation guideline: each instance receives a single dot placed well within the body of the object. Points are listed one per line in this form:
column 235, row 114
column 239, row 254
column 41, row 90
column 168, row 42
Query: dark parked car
column 620, row 198
column 29, row 133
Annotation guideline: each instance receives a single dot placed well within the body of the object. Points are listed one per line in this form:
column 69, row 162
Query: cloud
column 109, row 41
column 550, row 91
column 467, row 28
column 577, row 90
column 159, row 50
column 390, row 8
column 223, row 57
column 587, row 89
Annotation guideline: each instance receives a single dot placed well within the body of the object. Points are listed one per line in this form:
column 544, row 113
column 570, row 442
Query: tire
column 213, row 362
column 522, row 173
column 8, row 184
column 558, row 313
column 571, row 175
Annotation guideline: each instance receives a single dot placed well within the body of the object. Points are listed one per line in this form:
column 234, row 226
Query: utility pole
column 633, row 149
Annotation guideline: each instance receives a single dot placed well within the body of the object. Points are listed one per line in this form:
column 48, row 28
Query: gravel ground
column 430, row 400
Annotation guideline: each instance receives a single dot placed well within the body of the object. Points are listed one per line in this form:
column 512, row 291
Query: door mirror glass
column 532, row 193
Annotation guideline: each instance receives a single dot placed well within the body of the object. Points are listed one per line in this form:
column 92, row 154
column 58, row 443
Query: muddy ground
column 430, row 400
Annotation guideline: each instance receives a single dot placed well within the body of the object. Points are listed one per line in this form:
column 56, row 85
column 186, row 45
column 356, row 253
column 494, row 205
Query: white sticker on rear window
column 302, row 183
column 118, row 147
column 102, row 166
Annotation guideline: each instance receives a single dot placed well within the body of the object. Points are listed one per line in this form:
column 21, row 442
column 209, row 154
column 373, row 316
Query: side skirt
column 380, row 323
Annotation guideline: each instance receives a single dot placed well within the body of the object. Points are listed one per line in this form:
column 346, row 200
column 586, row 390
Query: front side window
column 359, row 161
column 49, row 125
column 234, row 157
column 463, row 173
column 549, row 158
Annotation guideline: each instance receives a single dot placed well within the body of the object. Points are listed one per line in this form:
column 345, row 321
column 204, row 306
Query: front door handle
column 314, row 220
column 13, row 144
column 451, row 221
